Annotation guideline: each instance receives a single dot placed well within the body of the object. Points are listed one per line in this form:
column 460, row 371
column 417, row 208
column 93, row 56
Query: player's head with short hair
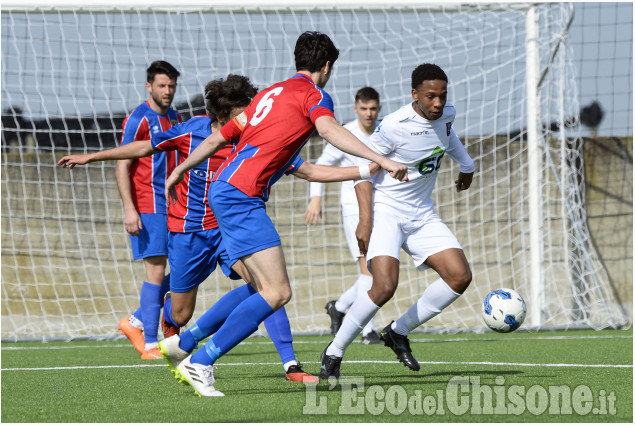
column 161, row 68
column 367, row 108
column 429, row 90
column 312, row 50
column 225, row 98
column 427, row 71
column 366, row 94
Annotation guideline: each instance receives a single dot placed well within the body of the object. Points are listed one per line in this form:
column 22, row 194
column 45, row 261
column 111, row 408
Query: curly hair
column 223, row 95
column 427, row 71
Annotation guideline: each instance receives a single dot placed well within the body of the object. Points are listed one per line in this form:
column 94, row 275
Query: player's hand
column 397, row 171
column 374, row 168
column 464, row 181
column 314, row 211
column 362, row 233
column 69, row 161
column 132, row 221
column 170, row 186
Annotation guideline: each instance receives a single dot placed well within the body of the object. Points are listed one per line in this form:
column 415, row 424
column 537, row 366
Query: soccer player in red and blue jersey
column 141, row 185
column 195, row 244
column 272, row 130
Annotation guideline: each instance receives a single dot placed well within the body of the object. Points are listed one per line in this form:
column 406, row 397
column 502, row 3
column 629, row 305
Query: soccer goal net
column 71, row 72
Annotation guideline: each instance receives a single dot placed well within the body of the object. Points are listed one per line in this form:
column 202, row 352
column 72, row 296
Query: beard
column 158, row 99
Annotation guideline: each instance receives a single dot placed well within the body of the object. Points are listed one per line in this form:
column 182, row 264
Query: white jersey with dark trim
column 406, row 137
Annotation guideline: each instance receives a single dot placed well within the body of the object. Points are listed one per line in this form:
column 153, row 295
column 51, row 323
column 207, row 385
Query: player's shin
column 279, row 331
column 214, row 318
column 241, row 323
column 435, row 298
column 360, row 313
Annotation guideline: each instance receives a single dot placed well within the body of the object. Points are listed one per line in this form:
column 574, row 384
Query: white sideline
column 557, row 365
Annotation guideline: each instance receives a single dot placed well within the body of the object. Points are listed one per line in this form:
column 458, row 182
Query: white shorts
column 350, row 226
column 419, row 238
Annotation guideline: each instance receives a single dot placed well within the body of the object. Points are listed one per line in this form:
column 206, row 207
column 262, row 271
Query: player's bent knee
column 381, row 293
column 181, row 317
column 460, row 283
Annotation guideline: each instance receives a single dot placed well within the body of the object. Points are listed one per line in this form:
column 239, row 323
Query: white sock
column 360, row 313
column 362, row 284
column 135, row 322
column 287, row 365
column 370, row 326
column 151, row 345
column 435, row 298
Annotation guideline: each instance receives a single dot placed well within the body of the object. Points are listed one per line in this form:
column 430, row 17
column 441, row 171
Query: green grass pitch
column 573, row 376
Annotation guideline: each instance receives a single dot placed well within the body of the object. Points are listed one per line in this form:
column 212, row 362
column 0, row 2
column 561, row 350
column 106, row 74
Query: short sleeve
column 297, row 162
column 319, row 104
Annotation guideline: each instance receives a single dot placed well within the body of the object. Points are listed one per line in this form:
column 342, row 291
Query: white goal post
column 72, row 71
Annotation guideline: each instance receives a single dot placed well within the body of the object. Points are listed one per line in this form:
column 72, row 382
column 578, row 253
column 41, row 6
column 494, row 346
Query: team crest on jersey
column 448, row 126
column 174, row 122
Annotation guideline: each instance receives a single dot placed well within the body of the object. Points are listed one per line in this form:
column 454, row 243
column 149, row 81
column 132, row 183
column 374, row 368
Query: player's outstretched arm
column 208, row 147
column 364, row 192
column 327, row 173
column 133, row 150
column 344, row 140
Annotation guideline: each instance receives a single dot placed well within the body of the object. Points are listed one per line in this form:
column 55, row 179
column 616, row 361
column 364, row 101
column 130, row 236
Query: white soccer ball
column 504, row 310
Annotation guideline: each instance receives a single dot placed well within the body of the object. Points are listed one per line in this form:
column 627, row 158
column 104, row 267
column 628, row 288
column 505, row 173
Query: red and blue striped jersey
column 147, row 175
column 272, row 131
column 192, row 212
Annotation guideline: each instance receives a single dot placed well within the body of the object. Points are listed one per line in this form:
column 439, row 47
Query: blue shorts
column 153, row 237
column 193, row 257
column 243, row 221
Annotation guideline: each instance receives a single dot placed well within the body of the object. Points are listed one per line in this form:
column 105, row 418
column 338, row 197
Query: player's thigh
column 452, row 267
column 268, row 270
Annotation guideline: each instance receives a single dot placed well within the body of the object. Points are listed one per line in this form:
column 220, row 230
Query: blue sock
column 138, row 314
column 167, row 312
column 214, row 318
column 279, row 331
column 165, row 287
column 241, row 323
column 150, row 310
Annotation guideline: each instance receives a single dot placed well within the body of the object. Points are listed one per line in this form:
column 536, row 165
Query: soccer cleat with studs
column 329, row 365
column 296, row 374
column 199, row 376
column 401, row 347
column 336, row 316
column 171, row 352
column 134, row 335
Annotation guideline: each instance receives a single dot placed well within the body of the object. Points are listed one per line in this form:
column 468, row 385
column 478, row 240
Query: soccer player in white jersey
column 367, row 109
column 395, row 215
